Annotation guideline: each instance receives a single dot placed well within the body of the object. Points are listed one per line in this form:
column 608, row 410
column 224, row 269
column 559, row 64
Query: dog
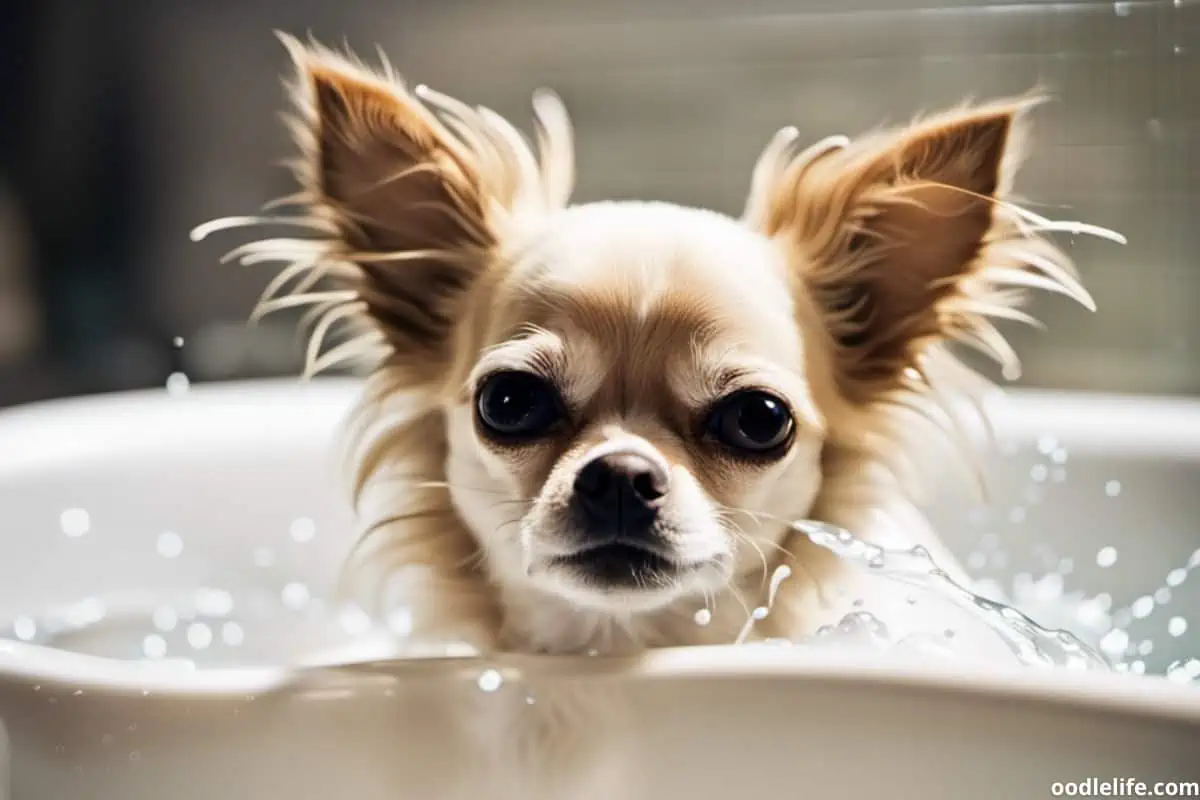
column 588, row 429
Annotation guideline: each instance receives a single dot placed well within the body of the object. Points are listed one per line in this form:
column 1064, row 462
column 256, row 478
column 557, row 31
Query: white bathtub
column 163, row 493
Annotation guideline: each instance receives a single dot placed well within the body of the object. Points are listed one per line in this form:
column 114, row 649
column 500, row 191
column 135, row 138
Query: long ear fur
column 908, row 239
column 414, row 197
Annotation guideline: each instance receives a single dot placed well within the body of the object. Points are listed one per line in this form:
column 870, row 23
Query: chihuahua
column 590, row 428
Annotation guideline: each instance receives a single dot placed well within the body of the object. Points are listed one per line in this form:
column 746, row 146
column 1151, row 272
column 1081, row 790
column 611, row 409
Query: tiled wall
column 673, row 100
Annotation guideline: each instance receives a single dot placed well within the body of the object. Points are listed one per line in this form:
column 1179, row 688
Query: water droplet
column 1121, row 9
column 1177, row 626
column 1059, row 456
column 858, row 603
column 1142, row 607
column 1176, row 577
column 75, row 522
column 1114, row 643
column 912, row 601
column 1194, row 560
column 170, row 544
column 177, row 342
column 760, row 612
column 530, row 699
column 1177, row 672
column 24, row 628
column 214, row 602
column 302, row 529
column 400, row 621
column 1047, row 445
column 1066, row 566
column 1138, row 667
column 154, row 646
column 1106, row 557
column 1145, row 648
column 295, row 595
column 1039, row 473
column 165, row 618
column 976, row 561
column 178, row 384
column 1162, row 596
column 703, row 617
column 354, row 620
column 999, row 559
column 1112, row 488
column 490, row 680
column 232, row 634
column 199, row 635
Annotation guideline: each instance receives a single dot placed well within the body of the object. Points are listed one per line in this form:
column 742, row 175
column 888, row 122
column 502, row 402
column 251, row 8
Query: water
column 1034, row 616
column 1029, row 643
column 200, row 628
column 211, row 627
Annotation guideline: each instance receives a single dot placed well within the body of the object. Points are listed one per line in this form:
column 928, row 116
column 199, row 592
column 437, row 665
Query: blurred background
column 124, row 123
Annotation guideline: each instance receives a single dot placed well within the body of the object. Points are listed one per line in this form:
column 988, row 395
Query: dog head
column 632, row 399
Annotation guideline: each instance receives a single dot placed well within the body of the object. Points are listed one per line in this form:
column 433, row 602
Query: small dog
column 588, row 429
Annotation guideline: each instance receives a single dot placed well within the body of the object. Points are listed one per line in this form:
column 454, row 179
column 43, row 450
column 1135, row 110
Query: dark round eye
column 751, row 421
column 517, row 404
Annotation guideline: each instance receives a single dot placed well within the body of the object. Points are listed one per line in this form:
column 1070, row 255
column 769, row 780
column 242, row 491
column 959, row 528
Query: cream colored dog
column 587, row 428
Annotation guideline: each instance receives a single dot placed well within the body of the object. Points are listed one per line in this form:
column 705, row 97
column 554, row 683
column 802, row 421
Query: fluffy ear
column 412, row 193
column 906, row 239
column 411, row 210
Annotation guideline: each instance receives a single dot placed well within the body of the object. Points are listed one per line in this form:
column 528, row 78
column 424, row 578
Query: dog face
column 630, row 400
column 640, row 396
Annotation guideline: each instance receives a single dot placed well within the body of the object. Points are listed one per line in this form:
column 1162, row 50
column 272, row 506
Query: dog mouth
column 621, row 564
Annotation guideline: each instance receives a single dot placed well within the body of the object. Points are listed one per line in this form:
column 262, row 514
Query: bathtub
column 227, row 497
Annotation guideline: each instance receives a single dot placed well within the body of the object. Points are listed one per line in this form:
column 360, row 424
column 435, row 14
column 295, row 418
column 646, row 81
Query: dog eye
column 517, row 404
column 751, row 421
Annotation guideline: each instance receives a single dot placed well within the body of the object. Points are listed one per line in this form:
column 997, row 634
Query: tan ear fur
column 908, row 239
column 413, row 196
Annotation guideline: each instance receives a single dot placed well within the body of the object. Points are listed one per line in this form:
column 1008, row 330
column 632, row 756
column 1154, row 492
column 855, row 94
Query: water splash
column 1030, row 643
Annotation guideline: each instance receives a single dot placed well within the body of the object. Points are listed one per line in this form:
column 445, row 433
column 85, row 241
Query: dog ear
column 906, row 239
column 404, row 196
column 413, row 195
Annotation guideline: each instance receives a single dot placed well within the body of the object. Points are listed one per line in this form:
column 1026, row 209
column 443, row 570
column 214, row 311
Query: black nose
column 620, row 492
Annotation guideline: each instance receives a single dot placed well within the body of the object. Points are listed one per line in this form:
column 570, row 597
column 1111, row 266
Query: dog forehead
column 655, row 274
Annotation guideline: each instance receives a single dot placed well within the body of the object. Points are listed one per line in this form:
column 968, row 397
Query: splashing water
column 1030, row 643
